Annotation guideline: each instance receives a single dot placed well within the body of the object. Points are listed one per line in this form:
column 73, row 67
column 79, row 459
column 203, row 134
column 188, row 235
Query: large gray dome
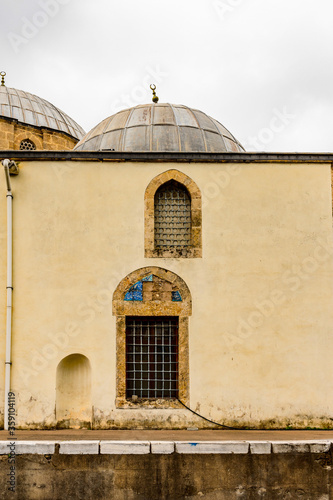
column 30, row 109
column 160, row 127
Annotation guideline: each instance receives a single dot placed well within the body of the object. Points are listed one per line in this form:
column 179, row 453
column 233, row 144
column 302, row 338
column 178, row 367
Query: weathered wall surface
column 12, row 133
column 169, row 477
column 3, row 284
column 260, row 335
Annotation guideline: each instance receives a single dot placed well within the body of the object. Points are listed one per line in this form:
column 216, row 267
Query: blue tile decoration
column 176, row 297
column 148, row 278
column 134, row 292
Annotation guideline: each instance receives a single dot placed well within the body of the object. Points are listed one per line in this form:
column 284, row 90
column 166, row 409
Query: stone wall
column 12, row 133
column 224, row 476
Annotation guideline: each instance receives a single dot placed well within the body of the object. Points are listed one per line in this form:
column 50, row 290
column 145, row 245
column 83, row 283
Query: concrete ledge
column 162, row 447
column 95, row 447
column 125, row 447
column 79, row 447
column 221, row 447
column 27, row 447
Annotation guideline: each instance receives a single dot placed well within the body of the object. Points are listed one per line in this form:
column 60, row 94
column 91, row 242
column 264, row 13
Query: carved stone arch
column 28, row 134
column 122, row 307
column 195, row 249
column 171, row 298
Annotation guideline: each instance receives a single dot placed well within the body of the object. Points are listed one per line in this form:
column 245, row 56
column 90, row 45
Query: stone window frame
column 122, row 308
column 332, row 185
column 28, row 134
column 195, row 250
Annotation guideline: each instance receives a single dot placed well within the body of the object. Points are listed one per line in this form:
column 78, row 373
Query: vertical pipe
column 8, row 361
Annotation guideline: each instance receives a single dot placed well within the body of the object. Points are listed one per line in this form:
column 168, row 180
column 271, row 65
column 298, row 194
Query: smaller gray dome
column 30, row 109
column 160, row 127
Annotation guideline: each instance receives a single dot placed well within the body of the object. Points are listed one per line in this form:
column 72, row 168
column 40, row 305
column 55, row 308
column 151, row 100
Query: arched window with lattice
column 27, row 145
column 173, row 216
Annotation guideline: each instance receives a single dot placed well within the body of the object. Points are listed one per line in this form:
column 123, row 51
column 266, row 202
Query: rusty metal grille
column 172, row 216
column 152, row 357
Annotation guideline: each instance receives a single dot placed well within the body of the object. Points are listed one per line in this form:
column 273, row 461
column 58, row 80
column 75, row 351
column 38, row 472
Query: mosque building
column 153, row 272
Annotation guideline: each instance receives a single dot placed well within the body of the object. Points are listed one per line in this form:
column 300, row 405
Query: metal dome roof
column 160, row 127
column 33, row 110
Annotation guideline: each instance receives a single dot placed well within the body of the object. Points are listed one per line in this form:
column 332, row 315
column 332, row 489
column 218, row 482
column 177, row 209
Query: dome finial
column 153, row 88
column 3, row 74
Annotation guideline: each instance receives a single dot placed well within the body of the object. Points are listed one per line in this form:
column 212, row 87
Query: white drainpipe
column 10, row 167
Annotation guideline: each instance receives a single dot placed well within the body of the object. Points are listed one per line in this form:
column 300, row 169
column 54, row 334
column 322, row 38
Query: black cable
column 211, row 421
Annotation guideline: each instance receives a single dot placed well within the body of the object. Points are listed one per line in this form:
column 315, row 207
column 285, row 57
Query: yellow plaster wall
column 3, row 284
column 260, row 334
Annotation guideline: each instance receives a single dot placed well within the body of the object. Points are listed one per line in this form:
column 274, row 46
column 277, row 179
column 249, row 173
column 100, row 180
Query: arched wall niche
column 73, row 391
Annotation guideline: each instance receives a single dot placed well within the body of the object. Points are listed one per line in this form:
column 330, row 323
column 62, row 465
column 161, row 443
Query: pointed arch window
column 173, row 216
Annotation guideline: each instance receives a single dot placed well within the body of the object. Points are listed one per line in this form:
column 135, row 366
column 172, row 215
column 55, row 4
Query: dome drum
column 30, row 110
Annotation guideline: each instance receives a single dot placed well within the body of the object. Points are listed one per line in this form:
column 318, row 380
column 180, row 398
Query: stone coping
column 247, row 157
column 116, row 447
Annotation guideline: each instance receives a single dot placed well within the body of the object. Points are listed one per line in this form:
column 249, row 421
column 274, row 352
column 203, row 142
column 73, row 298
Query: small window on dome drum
column 27, row 145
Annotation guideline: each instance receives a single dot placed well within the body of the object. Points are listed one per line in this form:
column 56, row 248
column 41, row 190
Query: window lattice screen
column 27, row 145
column 172, row 216
column 152, row 357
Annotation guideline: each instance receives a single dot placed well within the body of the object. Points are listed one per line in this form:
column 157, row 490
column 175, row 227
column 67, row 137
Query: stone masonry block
column 260, row 447
column 125, row 447
column 320, row 446
column 28, row 447
column 221, row 447
column 162, row 447
column 79, row 447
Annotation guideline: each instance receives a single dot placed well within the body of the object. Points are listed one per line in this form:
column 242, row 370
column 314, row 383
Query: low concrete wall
column 143, row 470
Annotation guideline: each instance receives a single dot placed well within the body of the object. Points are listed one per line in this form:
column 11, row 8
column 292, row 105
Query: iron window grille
column 152, row 357
column 27, row 145
column 172, row 216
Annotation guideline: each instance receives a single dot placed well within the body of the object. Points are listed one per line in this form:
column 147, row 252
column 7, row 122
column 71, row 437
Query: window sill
column 174, row 253
column 148, row 404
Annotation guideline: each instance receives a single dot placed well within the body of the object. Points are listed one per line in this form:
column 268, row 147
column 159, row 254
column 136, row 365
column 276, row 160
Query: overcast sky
column 263, row 68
